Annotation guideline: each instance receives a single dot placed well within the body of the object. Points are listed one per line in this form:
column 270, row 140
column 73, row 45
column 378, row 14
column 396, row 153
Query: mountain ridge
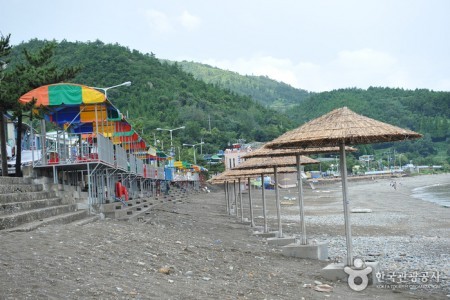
column 165, row 94
column 269, row 92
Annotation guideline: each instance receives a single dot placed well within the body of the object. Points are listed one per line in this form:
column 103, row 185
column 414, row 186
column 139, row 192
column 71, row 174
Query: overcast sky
column 315, row 45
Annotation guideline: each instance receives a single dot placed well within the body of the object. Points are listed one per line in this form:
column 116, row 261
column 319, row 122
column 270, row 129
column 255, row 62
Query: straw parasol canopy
column 275, row 163
column 265, row 151
column 260, row 162
column 233, row 174
column 341, row 126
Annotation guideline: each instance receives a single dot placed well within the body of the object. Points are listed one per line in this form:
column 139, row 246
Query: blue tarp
column 168, row 172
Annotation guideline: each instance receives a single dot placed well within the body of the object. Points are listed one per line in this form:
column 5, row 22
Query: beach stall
column 93, row 147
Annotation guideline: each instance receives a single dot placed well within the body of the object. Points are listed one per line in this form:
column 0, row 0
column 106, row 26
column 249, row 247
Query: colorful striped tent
column 63, row 94
column 84, row 110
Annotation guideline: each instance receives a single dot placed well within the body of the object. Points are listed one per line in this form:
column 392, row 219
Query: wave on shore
column 436, row 193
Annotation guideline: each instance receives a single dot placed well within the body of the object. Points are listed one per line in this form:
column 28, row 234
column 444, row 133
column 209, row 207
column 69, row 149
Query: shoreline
column 438, row 193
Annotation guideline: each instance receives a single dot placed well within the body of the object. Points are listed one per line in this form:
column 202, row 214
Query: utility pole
column 201, row 146
column 394, row 157
column 209, row 123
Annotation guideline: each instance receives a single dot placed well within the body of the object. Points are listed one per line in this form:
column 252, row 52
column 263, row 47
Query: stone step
column 87, row 220
column 58, row 219
column 15, row 207
column 118, row 211
column 26, row 196
column 20, row 188
column 14, row 180
column 140, row 212
column 138, row 215
column 17, row 219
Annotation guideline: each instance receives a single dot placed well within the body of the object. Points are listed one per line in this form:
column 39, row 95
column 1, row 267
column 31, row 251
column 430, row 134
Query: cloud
column 163, row 23
column 189, row 21
column 158, row 21
column 304, row 75
column 276, row 68
column 359, row 68
column 442, row 85
column 365, row 59
column 367, row 67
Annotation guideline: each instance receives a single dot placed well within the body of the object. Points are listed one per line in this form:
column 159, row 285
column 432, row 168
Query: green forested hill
column 425, row 111
column 162, row 95
column 271, row 93
column 421, row 110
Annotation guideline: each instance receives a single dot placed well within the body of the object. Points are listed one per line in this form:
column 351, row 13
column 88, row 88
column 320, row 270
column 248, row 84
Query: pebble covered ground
column 195, row 250
column 405, row 234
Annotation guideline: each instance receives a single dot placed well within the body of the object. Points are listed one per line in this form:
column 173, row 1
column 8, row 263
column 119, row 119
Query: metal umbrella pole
column 300, row 201
column 229, row 200
column 235, row 198
column 252, row 224
column 240, row 200
column 266, row 229
column 226, row 196
column 277, row 200
column 348, row 230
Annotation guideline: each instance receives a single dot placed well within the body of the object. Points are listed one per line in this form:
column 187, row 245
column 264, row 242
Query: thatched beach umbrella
column 220, row 179
column 233, row 174
column 276, row 162
column 342, row 127
column 225, row 178
column 261, row 172
column 264, row 151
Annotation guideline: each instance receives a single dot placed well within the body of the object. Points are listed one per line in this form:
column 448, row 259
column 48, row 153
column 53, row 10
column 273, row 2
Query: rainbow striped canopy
column 76, row 104
column 63, row 93
column 86, row 110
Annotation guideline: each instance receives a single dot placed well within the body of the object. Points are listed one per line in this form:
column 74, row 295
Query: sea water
column 436, row 193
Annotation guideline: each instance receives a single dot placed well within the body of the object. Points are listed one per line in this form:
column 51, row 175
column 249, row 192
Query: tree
column 37, row 70
column 5, row 49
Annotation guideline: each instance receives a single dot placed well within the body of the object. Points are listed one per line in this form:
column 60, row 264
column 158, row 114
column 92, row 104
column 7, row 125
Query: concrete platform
column 312, row 251
column 245, row 221
column 335, row 272
column 269, row 234
column 280, row 241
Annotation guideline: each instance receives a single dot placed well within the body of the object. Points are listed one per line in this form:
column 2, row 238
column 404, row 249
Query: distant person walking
column 394, row 184
column 167, row 187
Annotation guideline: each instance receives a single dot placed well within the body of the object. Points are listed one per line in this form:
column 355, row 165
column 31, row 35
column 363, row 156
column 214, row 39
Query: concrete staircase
column 25, row 206
column 136, row 209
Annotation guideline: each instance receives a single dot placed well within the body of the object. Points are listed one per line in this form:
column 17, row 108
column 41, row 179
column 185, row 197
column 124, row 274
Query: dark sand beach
column 195, row 250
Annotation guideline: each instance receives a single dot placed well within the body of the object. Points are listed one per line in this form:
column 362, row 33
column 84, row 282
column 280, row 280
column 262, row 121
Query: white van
column 27, row 160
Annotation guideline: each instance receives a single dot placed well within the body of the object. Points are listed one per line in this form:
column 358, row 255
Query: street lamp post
column 193, row 147
column 171, row 136
column 105, row 90
column 127, row 83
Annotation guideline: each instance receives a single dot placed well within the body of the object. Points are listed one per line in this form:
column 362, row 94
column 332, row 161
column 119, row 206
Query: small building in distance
column 232, row 155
